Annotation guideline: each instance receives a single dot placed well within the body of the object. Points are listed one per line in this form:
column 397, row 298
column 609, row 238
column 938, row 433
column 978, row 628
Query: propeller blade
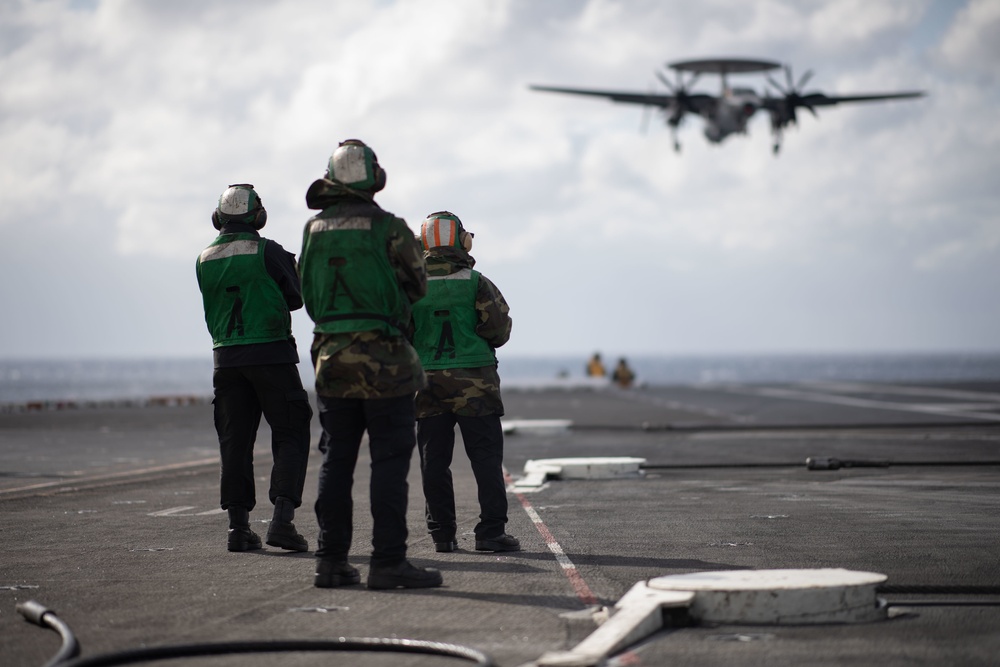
column 788, row 77
column 805, row 78
column 776, row 85
column 694, row 79
column 644, row 123
column 665, row 81
column 811, row 110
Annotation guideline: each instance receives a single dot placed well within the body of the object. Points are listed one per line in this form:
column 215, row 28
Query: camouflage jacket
column 469, row 392
column 370, row 364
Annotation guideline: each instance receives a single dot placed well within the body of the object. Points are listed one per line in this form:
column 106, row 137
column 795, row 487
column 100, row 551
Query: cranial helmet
column 444, row 229
column 240, row 203
column 354, row 164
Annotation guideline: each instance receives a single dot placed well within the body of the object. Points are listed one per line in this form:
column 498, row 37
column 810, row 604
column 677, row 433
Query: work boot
column 331, row 573
column 281, row 533
column 241, row 538
column 403, row 575
column 504, row 542
column 445, row 547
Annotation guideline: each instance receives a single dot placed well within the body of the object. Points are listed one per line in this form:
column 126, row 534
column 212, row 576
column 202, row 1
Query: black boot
column 335, row 572
column 241, row 538
column 281, row 533
column 403, row 575
column 504, row 542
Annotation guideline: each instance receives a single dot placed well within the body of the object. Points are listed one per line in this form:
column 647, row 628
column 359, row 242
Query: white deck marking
column 100, row 478
column 960, row 411
column 172, row 511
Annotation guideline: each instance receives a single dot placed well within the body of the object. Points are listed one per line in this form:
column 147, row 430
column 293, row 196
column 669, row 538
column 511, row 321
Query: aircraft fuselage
column 729, row 115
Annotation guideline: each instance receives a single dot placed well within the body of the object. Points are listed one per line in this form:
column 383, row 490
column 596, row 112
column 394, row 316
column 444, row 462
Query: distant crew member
column 623, row 375
column 361, row 270
column 457, row 328
column 595, row 367
column 249, row 287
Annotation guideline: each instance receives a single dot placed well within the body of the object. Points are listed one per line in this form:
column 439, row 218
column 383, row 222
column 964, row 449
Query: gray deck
column 109, row 516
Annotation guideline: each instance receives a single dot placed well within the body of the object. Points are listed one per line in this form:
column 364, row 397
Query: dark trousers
column 483, row 438
column 390, row 426
column 242, row 394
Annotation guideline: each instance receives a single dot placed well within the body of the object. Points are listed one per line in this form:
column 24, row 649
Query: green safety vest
column 348, row 283
column 445, row 321
column 243, row 303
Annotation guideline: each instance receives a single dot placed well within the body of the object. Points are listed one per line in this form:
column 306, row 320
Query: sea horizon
column 89, row 380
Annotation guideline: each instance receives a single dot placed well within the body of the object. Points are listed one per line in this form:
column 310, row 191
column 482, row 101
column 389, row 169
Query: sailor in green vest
column 361, row 269
column 249, row 287
column 457, row 327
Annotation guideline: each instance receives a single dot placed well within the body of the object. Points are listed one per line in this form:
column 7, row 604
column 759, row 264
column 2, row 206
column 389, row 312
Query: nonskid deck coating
column 124, row 569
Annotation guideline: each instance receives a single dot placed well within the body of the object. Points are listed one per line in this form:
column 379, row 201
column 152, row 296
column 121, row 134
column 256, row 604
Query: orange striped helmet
column 444, row 229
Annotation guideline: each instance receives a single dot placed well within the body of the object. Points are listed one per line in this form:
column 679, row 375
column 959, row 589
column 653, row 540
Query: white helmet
column 355, row 165
column 240, row 203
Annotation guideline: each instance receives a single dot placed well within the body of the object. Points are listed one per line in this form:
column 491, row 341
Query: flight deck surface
column 110, row 517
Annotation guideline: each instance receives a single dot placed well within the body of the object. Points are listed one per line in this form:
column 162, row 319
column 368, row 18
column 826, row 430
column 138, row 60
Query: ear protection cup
column 379, row 176
column 260, row 219
column 215, row 219
column 465, row 238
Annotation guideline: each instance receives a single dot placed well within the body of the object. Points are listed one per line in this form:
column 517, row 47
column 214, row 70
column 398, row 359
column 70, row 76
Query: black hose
column 828, row 463
column 928, row 589
column 698, row 466
column 741, row 428
column 931, row 589
column 134, row 656
column 820, row 463
column 40, row 615
column 943, row 603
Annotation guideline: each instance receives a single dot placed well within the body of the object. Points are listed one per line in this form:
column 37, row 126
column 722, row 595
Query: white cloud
column 973, row 41
column 124, row 122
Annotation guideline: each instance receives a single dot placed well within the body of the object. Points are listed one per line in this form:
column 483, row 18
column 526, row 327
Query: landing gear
column 776, row 132
column 673, row 134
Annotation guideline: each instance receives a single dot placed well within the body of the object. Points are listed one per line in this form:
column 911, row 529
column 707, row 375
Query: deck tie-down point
column 749, row 597
column 537, row 472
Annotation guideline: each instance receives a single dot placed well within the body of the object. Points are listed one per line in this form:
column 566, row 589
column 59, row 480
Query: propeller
column 680, row 92
column 681, row 103
column 793, row 95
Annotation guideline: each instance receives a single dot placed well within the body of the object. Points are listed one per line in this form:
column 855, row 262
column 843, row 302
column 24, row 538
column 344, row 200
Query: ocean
column 40, row 384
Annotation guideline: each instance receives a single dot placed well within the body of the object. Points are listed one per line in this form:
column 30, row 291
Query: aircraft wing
column 692, row 102
column 822, row 100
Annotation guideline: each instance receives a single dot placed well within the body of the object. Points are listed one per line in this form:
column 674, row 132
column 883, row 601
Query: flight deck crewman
column 595, row 367
column 249, row 285
column 361, row 269
column 623, row 376
column 458, row 326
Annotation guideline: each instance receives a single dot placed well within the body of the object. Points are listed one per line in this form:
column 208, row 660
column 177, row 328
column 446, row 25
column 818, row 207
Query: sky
column 877, row 228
